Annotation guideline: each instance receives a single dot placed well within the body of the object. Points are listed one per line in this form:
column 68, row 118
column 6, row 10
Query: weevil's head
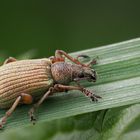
column 88, row 74
column 64, row 73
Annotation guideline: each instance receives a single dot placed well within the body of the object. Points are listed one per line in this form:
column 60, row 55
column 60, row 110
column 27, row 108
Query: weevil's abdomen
column 24, row 76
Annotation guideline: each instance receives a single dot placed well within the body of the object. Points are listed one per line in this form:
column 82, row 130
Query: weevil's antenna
column 61, row 55
column 83, row 56
column 93, row 62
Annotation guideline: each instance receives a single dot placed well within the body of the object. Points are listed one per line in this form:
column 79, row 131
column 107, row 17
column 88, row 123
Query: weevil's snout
column 90, row 75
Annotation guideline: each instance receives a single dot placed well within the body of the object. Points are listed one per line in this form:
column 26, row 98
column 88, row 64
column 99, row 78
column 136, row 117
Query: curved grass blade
column 118, row 84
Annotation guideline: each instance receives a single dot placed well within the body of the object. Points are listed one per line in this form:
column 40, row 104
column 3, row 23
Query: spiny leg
column 23, row 98
column 9, row 60
column 88, row 93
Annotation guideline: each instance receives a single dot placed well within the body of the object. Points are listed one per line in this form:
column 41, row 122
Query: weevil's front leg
column 88, row 93
column 23, row 98
column 59, row 53
column 59, row 57
column 9, row 60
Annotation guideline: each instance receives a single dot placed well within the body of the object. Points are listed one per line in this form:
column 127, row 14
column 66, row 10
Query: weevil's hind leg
column 23, row 98
column 59, row 55
column 9, row 60
column 9, row 112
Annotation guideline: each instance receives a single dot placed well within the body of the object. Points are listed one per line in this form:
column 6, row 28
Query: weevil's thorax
column 64, row 73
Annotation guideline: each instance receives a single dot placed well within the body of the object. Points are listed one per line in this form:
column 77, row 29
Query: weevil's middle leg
column 35, row 106
column 23, row 98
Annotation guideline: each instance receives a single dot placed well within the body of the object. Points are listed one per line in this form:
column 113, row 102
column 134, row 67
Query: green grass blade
column 118, row 84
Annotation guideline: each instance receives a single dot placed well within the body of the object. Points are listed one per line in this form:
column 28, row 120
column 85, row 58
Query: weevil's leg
column 9, row 60
column 60, row 88
column 23, row 98
column 88, row 93
column 59, row 53
column 32, row 110
column 9, row 112
column 50, row 91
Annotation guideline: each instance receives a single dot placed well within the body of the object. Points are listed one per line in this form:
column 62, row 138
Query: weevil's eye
column 94, row 75
column 81, row 75
column 91, row 75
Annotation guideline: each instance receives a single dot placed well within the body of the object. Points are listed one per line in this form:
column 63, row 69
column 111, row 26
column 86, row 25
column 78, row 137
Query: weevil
column 21, row 79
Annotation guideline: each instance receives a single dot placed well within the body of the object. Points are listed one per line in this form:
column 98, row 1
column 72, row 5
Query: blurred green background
column 45, row 26
column 69, row 25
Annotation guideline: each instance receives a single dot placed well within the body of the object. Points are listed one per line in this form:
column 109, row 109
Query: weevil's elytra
column 21, row 79
column 25, row 76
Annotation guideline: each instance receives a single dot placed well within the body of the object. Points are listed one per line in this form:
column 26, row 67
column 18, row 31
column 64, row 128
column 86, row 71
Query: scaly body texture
column 23, row 81
column 24, row 76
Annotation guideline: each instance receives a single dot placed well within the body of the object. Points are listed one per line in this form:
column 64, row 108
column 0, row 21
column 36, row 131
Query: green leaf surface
column 120, row 123
column 118, row 83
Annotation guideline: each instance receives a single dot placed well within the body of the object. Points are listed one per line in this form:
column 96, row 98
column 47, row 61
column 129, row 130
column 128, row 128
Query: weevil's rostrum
column 21, row 81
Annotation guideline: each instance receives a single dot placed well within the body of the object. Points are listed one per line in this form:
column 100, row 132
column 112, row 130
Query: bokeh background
column 44, row 26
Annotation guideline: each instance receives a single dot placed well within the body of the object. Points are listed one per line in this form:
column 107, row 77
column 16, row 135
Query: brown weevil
column 21, row 79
